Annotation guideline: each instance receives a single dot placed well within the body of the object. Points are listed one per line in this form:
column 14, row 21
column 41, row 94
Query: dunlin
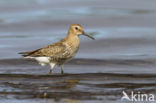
column 59, row 52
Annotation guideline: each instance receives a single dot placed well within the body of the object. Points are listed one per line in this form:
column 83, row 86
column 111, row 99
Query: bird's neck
column 73, row 39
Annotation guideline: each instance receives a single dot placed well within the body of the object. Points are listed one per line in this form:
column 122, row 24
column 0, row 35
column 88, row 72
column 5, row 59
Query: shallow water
column 36, row 23
column 121, row 58
column 84, row 81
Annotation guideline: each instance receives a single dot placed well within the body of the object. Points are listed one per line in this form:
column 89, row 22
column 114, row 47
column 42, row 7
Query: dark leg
column 51, row 67
column 50, row 71
column 62, row 72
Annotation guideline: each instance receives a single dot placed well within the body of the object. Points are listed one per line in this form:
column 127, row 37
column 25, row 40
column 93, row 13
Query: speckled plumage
column 59, row 52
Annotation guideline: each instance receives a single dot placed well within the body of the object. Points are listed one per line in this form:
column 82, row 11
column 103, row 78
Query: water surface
column 122, row 58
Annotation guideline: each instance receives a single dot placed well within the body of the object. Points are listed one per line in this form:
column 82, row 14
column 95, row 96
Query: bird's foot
column 50, row 72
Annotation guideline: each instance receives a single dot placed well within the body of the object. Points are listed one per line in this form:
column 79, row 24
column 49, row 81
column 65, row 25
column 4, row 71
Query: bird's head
column 76, row 29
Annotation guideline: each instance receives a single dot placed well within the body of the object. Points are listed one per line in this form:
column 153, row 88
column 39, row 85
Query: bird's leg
column 62, row 72
column 52, row 65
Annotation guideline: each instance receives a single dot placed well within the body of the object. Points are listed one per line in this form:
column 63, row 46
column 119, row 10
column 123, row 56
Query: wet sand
column 85, row 80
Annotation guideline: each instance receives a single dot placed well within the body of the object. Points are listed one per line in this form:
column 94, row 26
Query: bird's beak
column 88, row 35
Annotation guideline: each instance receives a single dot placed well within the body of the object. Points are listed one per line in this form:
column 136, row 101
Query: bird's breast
column 73, row 45
column 72, row 49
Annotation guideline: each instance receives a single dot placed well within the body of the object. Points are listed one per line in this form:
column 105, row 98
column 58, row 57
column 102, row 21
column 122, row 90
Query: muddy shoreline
column 83, row 86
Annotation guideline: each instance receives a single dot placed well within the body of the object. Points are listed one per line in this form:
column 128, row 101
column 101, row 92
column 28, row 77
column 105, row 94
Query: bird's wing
column 52, row 50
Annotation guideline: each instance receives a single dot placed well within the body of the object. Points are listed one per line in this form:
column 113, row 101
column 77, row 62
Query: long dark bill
column 88, row 35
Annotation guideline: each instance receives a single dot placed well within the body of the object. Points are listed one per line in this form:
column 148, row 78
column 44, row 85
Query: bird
column 60, row 52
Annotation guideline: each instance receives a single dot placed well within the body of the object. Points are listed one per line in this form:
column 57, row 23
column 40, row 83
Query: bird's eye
column 76, row 28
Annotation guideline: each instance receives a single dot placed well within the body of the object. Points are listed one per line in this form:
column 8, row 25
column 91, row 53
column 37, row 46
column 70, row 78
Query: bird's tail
column 25, row 54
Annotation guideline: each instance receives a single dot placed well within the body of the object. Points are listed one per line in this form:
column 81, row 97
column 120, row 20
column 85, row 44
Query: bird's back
column 58, row 52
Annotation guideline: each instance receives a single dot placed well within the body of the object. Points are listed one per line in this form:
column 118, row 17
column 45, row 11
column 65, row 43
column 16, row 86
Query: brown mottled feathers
column 53, row 50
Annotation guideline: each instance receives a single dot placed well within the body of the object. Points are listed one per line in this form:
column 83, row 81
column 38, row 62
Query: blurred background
column 122, row 58
column 121, row 27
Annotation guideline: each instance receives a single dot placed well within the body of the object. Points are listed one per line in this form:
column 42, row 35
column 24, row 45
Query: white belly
column 42, row 59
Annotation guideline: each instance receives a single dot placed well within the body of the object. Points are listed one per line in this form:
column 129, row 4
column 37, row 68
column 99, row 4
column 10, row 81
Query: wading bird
column 60, row 52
